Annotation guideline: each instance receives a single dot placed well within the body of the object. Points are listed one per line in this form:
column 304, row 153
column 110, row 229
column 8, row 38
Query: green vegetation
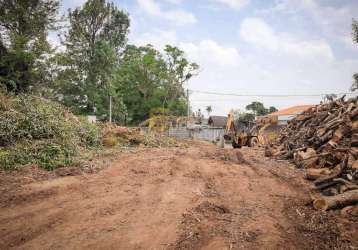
column 150, row 81
column 93, row 42
column 98, row 64
column 24, row 50
column 252, row 110
column 94, row 65
column 209, row 109
column 259, row 109
column 39, row 131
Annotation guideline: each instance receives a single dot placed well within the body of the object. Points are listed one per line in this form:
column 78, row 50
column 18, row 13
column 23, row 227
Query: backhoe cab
column 240, row 133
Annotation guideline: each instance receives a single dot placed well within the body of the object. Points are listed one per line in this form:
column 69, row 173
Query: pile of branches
column 41, row 132
column 324, row 141
column 113, row 135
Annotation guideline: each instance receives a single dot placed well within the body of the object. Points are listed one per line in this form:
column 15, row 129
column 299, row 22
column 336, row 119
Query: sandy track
column 199, row 197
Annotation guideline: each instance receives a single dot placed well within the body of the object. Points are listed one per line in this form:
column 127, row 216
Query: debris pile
column 324, row 141
column 113, row 135
column 160, row 123
column 37, row 131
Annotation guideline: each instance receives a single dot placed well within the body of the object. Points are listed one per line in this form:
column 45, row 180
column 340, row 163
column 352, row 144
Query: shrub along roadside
column 34, row 130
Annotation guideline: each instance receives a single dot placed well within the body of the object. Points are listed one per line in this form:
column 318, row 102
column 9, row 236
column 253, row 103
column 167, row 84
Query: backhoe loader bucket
column 268, row 133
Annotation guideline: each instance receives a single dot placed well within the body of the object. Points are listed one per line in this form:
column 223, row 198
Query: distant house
column 217, row 121
column 284, row 115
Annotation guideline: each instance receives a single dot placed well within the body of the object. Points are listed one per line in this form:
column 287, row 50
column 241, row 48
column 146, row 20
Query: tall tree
column 243, row 117
column 139, row 79
column 152, row 83
column 272, row 109
column 24, row 25
column 355, row 39
column 209, row 109
column 97, row 33
column 259, row 109
column 179, row 71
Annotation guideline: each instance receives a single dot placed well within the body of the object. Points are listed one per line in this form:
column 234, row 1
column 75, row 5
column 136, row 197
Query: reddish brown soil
column 199, row 197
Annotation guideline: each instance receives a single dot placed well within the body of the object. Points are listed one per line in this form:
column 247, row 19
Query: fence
column 180, row 132
column 208, row 134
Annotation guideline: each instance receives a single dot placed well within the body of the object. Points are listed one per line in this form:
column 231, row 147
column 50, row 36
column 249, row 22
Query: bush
column 38, row 131
column 35, row 118
column 89, row 133
column 46, row 154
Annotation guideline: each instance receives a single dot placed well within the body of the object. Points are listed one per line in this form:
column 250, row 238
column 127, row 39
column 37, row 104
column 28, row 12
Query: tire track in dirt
column 199, row 197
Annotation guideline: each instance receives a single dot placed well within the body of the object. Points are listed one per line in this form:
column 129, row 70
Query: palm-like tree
column 209, row 109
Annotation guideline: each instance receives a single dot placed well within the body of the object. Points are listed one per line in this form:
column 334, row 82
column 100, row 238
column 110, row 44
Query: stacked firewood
column 324, row 141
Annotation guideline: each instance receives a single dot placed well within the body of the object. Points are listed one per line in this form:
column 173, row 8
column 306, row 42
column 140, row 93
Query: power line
column 268, row 95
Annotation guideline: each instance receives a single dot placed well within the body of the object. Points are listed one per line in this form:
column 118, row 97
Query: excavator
column 241, row 132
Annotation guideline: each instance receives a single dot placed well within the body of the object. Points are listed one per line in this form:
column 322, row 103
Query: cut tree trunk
column 350, row 211
column 315, row 173
column 340, row 200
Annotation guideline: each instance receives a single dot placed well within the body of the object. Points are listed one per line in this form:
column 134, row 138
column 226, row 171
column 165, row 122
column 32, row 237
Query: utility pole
column 187, row 101
column 110, row 109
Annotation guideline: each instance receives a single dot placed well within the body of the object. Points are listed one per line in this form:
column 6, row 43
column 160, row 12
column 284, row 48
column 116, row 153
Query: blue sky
column 253, row 47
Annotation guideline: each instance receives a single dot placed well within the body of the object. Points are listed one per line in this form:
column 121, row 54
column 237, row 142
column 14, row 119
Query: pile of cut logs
column 324, row 141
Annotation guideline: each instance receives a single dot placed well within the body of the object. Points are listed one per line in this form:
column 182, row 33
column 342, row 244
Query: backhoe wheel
column 253, row 142
column 234, row 145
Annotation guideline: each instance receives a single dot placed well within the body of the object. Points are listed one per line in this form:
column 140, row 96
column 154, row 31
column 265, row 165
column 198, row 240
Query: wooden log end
column 320, row 204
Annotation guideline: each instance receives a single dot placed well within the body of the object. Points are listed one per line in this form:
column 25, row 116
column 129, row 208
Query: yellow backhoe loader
column 247, row 133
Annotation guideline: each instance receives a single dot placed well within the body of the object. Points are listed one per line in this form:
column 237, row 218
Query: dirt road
column 199, row 197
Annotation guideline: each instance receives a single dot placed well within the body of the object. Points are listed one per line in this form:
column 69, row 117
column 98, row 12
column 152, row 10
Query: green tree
column 257, row 108
column 209, row 109
column 139, row 79
column 150, row 81
column 179, row 71
column 97, row 33
column 24, row 26
column 272, row 109
column 243, row 117
column 246, row 117
column 355, row 39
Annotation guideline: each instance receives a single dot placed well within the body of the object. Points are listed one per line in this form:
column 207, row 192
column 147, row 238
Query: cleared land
column 199, row 197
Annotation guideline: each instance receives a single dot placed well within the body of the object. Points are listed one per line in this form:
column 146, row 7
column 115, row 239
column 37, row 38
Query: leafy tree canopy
column 272, row 109
column 150, row 81
column 96, row 35
column 259, row 109
column 95, row 66
column 209, row 109
column 24, row 25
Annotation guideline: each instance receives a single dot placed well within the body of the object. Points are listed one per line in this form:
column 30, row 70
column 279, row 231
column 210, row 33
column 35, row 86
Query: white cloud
column 173, row 1
column 234, row 4
column 177, row 16
column 157, row 38
column 332, row 17
column 209, row 52
column 347, row 41
column 257, row 32
column 70, row 4
column 271, row 62
column 205, row 52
